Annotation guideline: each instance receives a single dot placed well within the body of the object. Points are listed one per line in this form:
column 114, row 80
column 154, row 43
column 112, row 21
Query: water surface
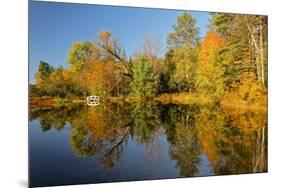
column 80, row 144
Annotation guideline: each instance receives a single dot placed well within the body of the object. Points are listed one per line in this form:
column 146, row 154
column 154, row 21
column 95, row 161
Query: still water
column 80, row 144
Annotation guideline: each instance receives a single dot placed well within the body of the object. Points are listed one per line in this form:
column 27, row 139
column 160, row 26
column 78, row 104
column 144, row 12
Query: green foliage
column 56, row 82
column 185, row 32
column 144, row 80
column 35, row 91
column 44, row 71
column 166, row 76
column 79, row 54
column 244, row 46
column 185, row 71
column 182, row 134
column 179, row 70
column 146, row 121
column 79, row 143
column 182, row 55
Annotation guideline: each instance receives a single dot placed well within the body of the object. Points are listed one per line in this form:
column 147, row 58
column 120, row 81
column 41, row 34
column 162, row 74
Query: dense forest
column 228, row 66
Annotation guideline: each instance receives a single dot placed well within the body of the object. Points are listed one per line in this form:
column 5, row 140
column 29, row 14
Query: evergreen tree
column 245, row 45
column 44, row 72
column 144, row 80
column 185, row 32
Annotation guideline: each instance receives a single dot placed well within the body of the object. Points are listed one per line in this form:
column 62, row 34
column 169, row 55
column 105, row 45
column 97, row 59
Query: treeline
column 228, row 65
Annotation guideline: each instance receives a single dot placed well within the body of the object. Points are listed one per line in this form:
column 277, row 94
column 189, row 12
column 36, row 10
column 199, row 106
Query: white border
column 14, row 79
column 203, row 5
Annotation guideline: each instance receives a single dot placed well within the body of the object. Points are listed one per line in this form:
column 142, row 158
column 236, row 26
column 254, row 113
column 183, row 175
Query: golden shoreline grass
column 177, row 98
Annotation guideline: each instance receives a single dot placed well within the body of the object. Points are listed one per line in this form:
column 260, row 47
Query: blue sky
column 53, row 27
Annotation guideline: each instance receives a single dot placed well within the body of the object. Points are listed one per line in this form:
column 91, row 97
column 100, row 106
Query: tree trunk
column 257, row 44
column 262, row 148
column 261, row 52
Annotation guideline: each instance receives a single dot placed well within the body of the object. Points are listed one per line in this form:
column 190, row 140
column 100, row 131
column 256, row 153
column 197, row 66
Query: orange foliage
column 210, row 44
column 101, row 76
column 208, row 147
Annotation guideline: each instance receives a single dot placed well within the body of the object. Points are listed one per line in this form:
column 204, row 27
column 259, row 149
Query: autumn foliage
column 227, row 67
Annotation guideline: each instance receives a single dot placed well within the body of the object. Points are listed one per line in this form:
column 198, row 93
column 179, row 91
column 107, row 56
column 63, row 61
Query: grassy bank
column 37, row 102
column 183, row 98
column 193, row 98
column 175, row 98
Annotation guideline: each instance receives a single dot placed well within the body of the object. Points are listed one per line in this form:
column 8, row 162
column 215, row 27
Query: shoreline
column 176, row 98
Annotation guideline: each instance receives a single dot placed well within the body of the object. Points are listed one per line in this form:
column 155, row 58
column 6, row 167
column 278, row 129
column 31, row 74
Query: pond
column 112, row 142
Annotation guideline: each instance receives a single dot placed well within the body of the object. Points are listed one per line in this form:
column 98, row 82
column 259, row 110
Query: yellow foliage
column 247, row 94
column 101, row 77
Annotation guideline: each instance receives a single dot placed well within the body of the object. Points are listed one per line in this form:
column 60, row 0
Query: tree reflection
column 101, row 131
column 231, row 140
column 55, row 118
column 253, row 135
column 146, row 127
column 234, row 141
column 146, row 122
column 183, row 137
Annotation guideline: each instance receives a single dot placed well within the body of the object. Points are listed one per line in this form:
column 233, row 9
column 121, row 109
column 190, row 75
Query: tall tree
column 185, row 32
column 108, row 48
column 256, row 26
column 210, row 72
column 79, row 54
column 245, row 45
column 185, row 70
column 152, row 48
column 43, row 73
column 167, row 82
column 183, row 46
column 144, row 80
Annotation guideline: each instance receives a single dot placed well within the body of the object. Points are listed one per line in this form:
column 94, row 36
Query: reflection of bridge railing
column 93, row 100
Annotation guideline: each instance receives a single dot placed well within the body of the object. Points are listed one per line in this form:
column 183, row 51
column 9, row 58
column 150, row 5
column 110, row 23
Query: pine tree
column 144, row 80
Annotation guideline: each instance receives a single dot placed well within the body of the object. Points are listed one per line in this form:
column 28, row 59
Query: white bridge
column 93, row 100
